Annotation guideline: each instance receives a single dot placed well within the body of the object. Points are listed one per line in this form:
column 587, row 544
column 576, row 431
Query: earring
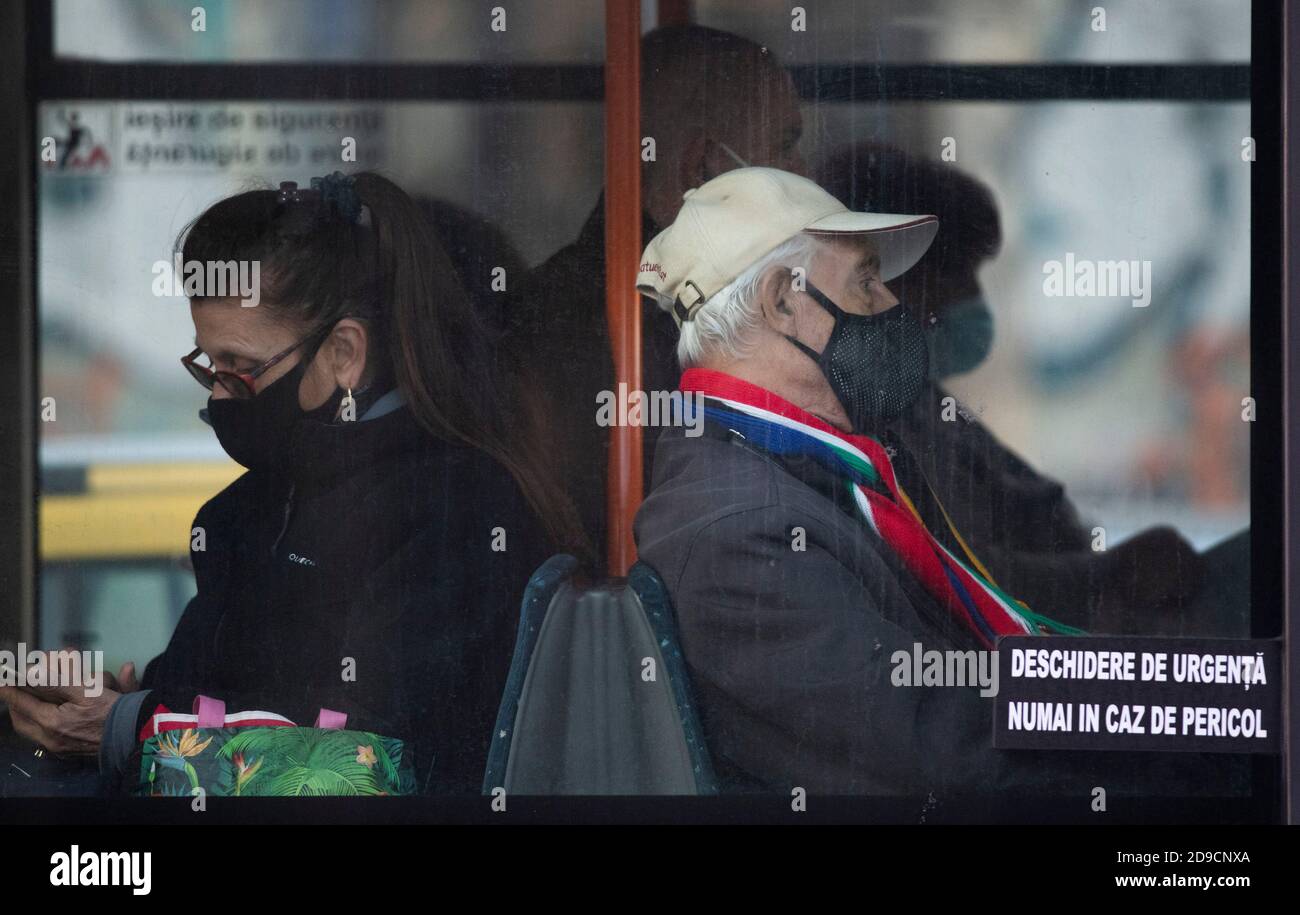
column 348, row 404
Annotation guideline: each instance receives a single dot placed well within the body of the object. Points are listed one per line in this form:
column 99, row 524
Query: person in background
column 711, row 101
column 394, row 506
column 1021, row 523
column 476, row 247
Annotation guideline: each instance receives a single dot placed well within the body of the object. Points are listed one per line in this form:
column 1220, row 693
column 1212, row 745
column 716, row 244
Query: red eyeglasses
column 241, row 384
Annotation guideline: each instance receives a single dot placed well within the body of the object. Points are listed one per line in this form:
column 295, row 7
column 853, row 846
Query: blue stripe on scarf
column 966, row 599
column 780, row 439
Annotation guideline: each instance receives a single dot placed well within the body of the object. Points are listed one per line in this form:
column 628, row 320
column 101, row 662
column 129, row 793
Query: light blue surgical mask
column 962, row 337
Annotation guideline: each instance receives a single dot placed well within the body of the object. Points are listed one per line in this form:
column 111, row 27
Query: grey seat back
column 602, row 706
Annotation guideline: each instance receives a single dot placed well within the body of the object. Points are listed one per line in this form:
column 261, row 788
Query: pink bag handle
column 211, row 712
column 331, row 720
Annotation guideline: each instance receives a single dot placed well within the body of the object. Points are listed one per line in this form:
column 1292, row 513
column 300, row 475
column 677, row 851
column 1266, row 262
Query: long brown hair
column 319, row 263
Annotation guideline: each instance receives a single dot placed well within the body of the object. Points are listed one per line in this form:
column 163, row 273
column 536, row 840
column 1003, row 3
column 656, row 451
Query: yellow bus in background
column 114, row 533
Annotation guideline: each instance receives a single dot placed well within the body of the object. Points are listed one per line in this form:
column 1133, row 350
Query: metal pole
column 622, row 254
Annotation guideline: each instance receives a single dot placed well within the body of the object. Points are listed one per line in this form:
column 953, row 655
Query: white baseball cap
column 725, row 225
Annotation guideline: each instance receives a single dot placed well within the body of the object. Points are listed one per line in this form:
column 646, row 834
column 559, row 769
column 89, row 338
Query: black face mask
column 876, row 364
column 257, row 432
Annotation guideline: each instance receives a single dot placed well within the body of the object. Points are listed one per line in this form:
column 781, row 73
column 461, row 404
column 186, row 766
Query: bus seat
column 580, row 713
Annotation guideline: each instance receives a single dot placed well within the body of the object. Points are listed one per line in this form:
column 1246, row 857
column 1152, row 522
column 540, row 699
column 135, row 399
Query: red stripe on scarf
column 912, row 542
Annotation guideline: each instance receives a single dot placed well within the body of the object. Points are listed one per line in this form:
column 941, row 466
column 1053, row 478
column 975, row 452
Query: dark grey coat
column 790, row 651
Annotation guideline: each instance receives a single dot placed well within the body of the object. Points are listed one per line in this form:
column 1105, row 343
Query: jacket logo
column 301, row 560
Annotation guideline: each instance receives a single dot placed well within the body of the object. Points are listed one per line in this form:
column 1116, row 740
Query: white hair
column 724, row 325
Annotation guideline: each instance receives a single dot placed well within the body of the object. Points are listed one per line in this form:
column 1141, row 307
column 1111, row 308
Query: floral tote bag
column 261, row 754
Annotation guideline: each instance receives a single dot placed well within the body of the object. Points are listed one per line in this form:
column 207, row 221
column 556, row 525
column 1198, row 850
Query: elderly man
column 799, row 544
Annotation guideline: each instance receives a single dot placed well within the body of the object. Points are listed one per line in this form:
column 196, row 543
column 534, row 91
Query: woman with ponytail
column 372, row 559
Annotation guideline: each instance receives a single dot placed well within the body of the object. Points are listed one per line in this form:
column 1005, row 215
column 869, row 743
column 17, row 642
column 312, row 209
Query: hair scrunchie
column 339, row 191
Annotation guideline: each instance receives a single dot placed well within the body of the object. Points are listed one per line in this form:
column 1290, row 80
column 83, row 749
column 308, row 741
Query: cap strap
column 686, row 310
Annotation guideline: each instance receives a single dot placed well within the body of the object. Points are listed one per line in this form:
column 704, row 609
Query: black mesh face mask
column 876, row 364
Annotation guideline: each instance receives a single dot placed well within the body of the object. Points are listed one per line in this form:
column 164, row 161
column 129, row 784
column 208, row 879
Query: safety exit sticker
column 1122, row 693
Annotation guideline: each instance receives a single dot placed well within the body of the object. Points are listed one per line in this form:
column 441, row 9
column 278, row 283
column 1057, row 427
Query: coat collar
column 321, row 453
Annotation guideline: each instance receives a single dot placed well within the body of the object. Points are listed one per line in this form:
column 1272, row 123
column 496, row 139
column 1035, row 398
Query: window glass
column 336, row 31
column 1162, row 372
column 113, row 203
column 990, row 31
column 126, row 610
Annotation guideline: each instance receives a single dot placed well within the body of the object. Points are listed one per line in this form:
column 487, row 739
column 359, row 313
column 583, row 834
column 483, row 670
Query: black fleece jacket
column 374, row 554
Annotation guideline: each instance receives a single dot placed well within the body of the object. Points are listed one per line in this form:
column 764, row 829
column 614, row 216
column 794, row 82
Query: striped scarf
column 959, row 583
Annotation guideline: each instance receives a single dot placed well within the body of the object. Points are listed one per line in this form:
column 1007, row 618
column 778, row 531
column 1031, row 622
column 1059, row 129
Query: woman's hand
column 125, row 681
column 63, row 719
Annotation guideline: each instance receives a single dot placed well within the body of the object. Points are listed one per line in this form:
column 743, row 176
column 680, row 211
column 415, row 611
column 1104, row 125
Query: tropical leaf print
column 276, row 762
